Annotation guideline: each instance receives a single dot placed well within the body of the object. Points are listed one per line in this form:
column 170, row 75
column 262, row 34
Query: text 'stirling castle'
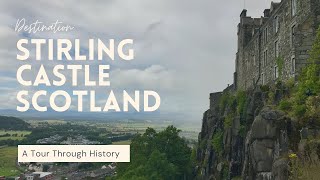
column 275, row 46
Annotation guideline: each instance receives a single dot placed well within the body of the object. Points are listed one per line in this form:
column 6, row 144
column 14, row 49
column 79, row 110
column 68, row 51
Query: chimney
column 243, row 13
column 266, row 13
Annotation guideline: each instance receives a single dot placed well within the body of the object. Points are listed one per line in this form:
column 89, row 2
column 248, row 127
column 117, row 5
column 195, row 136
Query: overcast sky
column 184, row 50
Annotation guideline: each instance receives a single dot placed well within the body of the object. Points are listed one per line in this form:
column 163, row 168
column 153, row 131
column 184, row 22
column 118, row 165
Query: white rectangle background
column 73, row 153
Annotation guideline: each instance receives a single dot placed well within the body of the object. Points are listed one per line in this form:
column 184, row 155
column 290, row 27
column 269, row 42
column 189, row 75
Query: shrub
column 228, row 120
column 241, row 101
column 299, row 111
column 290, row 83
column 225, row 171
column 280, row 64
column 271, row 97
column 231, row 100
column 242, row 131
column 223, row 101
column 264, row 88
column 313, row 107
column 217, row 142
column 285, row 105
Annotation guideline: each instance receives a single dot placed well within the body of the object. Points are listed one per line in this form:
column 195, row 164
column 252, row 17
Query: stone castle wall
column 282, row 36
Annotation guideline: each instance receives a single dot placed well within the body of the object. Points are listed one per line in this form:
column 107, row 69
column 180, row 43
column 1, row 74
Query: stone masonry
column 282, row 37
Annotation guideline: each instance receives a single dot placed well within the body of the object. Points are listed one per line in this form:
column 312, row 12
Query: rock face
column 254, row 147
column 266, row 143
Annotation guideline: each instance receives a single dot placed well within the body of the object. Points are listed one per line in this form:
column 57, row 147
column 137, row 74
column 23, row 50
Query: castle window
column 247, row 64
column 265, row 58
column 293, row 33
column 266, row 35
column 276, row 72
column 254, row 60
column 276, row 49
column 294, row 7
column 262, row 79
column 293, row 65
column 276, row 23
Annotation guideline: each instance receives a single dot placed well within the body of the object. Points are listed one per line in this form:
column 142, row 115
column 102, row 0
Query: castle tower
column 275, row 47
column 248, row 29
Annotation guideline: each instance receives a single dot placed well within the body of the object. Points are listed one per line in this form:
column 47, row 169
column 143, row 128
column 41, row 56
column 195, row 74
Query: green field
column 128, row 142
column 8, row 157
column 20, row 134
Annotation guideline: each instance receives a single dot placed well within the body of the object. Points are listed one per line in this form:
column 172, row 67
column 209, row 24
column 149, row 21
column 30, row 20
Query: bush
column 313, row 108
column 285, row 105
column 223, row 101
column 242, row 131
column 290, row 83
column 280, row 64
column 228, row 120
column 241, row 101
column 271, row 97
column 217, row 142
column 299, row 111
column 264, row 88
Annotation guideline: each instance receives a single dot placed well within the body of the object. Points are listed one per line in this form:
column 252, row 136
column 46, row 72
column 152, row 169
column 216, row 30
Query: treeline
column 13, row 123
column 10, row 142
column 162, row 155
column 66, row 130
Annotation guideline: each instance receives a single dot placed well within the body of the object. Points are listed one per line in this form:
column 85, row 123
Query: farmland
column 14, row 135
column 8, row 156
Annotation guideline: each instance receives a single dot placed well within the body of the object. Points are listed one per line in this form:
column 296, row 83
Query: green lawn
column 20, row 134
column 8, row 156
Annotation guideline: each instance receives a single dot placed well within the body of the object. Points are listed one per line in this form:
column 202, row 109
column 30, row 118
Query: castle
column 275, row 46
column 243, row 137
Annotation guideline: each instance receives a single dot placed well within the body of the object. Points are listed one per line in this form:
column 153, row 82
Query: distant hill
column 103, row 116
column 13, row 123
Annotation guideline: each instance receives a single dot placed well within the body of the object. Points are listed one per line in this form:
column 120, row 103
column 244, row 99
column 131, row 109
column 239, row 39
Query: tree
column 163, row 155
column 46, row 167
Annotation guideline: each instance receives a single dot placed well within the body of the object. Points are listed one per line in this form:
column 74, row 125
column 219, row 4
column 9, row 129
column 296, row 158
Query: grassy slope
column 8, row 156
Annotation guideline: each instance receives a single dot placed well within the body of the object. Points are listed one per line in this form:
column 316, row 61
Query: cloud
column 154, row 77
column 184, row 49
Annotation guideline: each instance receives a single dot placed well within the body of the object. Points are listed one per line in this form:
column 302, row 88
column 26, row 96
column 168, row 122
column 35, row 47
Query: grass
column 127, row 142
column 20, row 134
column 307, row 170
column 311, row 171
column 8, row 157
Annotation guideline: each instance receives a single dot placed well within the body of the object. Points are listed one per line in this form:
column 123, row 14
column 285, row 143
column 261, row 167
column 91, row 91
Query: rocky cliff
column 244, row 136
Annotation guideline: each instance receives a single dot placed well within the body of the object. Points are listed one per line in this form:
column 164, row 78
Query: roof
column 42, row 174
